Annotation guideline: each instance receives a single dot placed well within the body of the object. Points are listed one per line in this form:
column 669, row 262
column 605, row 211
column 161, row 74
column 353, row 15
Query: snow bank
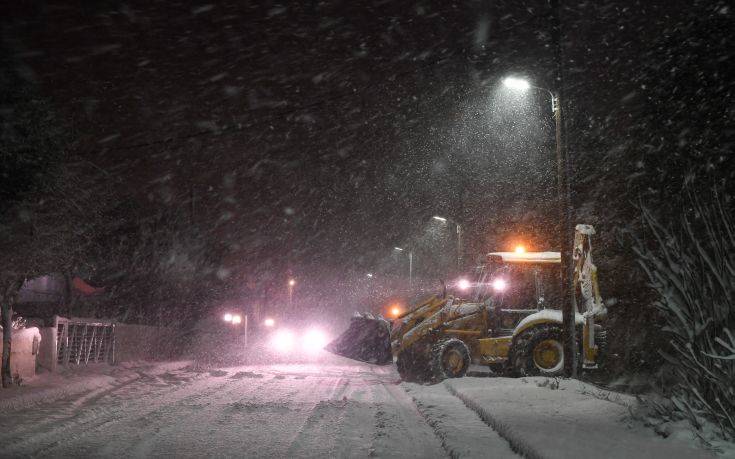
column 551, row 418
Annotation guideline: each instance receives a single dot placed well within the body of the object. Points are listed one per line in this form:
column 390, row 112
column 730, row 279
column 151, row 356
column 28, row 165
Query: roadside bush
column 691, row 267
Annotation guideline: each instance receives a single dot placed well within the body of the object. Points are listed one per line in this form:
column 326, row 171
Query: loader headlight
column 499, row 285
column 463, row 284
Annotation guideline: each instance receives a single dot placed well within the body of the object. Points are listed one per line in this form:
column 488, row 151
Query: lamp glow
column 236, row 319
column 227, row 317
column 516, row 83
column 463, row 284
column 269, row 322
column 520, row 249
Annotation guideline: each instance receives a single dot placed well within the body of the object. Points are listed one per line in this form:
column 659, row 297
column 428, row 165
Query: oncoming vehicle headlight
column 314, row 341
column 283, row 341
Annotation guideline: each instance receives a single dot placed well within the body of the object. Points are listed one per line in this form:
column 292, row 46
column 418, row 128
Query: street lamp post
column 410, row 264
column 459, row 237
column 291, row 284
column 569, row 303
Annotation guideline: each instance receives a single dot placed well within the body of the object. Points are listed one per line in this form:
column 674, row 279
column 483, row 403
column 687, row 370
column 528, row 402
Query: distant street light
column 410, row 264
column 459, row 237
column 569, row 306
column 370, row 275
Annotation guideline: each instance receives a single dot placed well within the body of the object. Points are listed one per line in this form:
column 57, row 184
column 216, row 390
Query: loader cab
column 517, row 285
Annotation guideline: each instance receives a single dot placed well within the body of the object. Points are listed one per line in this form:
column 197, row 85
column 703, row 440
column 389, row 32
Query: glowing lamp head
column 463, row 284
column 269, row 322
column 395, row 311
column 520, row 249
column 236, row 319
column 227, row 317
column 518, row 84
column 314, row 341
column 291, row 282
column 499, row 285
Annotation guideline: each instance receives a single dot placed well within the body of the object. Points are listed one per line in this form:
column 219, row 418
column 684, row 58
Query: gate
column 84, row 341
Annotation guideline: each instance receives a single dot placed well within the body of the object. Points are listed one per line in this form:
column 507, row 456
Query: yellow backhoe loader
column 511, row 321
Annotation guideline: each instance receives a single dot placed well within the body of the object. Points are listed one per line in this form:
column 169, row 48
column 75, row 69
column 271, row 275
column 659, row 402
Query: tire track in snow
column 168, row 424
column 400, row 429
column 255, row 421
column 325, row 416
column 516, row 441
column 47, row 416
column 461, row 431
column 94, row 417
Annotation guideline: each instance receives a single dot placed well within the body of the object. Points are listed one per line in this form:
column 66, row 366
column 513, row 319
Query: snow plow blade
column 367, row 339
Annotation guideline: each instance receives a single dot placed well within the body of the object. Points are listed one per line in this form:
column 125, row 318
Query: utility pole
column 410, row 269
column 291, row 284
column 459, row 247
column 563, row 173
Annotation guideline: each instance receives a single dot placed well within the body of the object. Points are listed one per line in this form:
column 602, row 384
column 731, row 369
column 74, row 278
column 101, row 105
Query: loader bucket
column 367, row 339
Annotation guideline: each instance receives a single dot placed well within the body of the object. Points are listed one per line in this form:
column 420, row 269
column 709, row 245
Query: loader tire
column 413, row 366
column 450, row 358
column 538, row 351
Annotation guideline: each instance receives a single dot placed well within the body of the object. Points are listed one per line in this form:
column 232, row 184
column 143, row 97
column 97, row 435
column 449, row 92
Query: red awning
column 85, row 288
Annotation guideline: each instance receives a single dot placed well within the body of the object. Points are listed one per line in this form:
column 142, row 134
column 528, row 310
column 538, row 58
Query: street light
column 410, row 264
column 459, row 237
column 569, row 306
column 516, row 83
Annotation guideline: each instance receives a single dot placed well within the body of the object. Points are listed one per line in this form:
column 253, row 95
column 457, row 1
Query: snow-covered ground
column 335, row 409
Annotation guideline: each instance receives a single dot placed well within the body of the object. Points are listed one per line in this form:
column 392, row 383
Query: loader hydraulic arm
column 585, row 282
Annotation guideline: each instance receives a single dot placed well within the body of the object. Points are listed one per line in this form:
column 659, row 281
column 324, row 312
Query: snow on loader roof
column 526, row 257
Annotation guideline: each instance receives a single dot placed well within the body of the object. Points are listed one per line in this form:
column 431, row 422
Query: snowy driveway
column 309, row 410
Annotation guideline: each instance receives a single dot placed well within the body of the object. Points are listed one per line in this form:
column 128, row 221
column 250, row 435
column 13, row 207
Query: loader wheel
column 450, row 358
column 539, row 351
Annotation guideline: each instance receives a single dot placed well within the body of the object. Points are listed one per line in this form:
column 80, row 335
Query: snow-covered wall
column 24, row 351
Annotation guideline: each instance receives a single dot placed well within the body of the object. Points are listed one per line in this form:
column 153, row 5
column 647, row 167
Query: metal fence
column 84, row 341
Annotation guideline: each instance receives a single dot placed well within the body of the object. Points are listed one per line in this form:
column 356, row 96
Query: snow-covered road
column 256, row 411
column 339, row 409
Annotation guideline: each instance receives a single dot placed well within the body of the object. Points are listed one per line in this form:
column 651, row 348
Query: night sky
column 309, row 140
